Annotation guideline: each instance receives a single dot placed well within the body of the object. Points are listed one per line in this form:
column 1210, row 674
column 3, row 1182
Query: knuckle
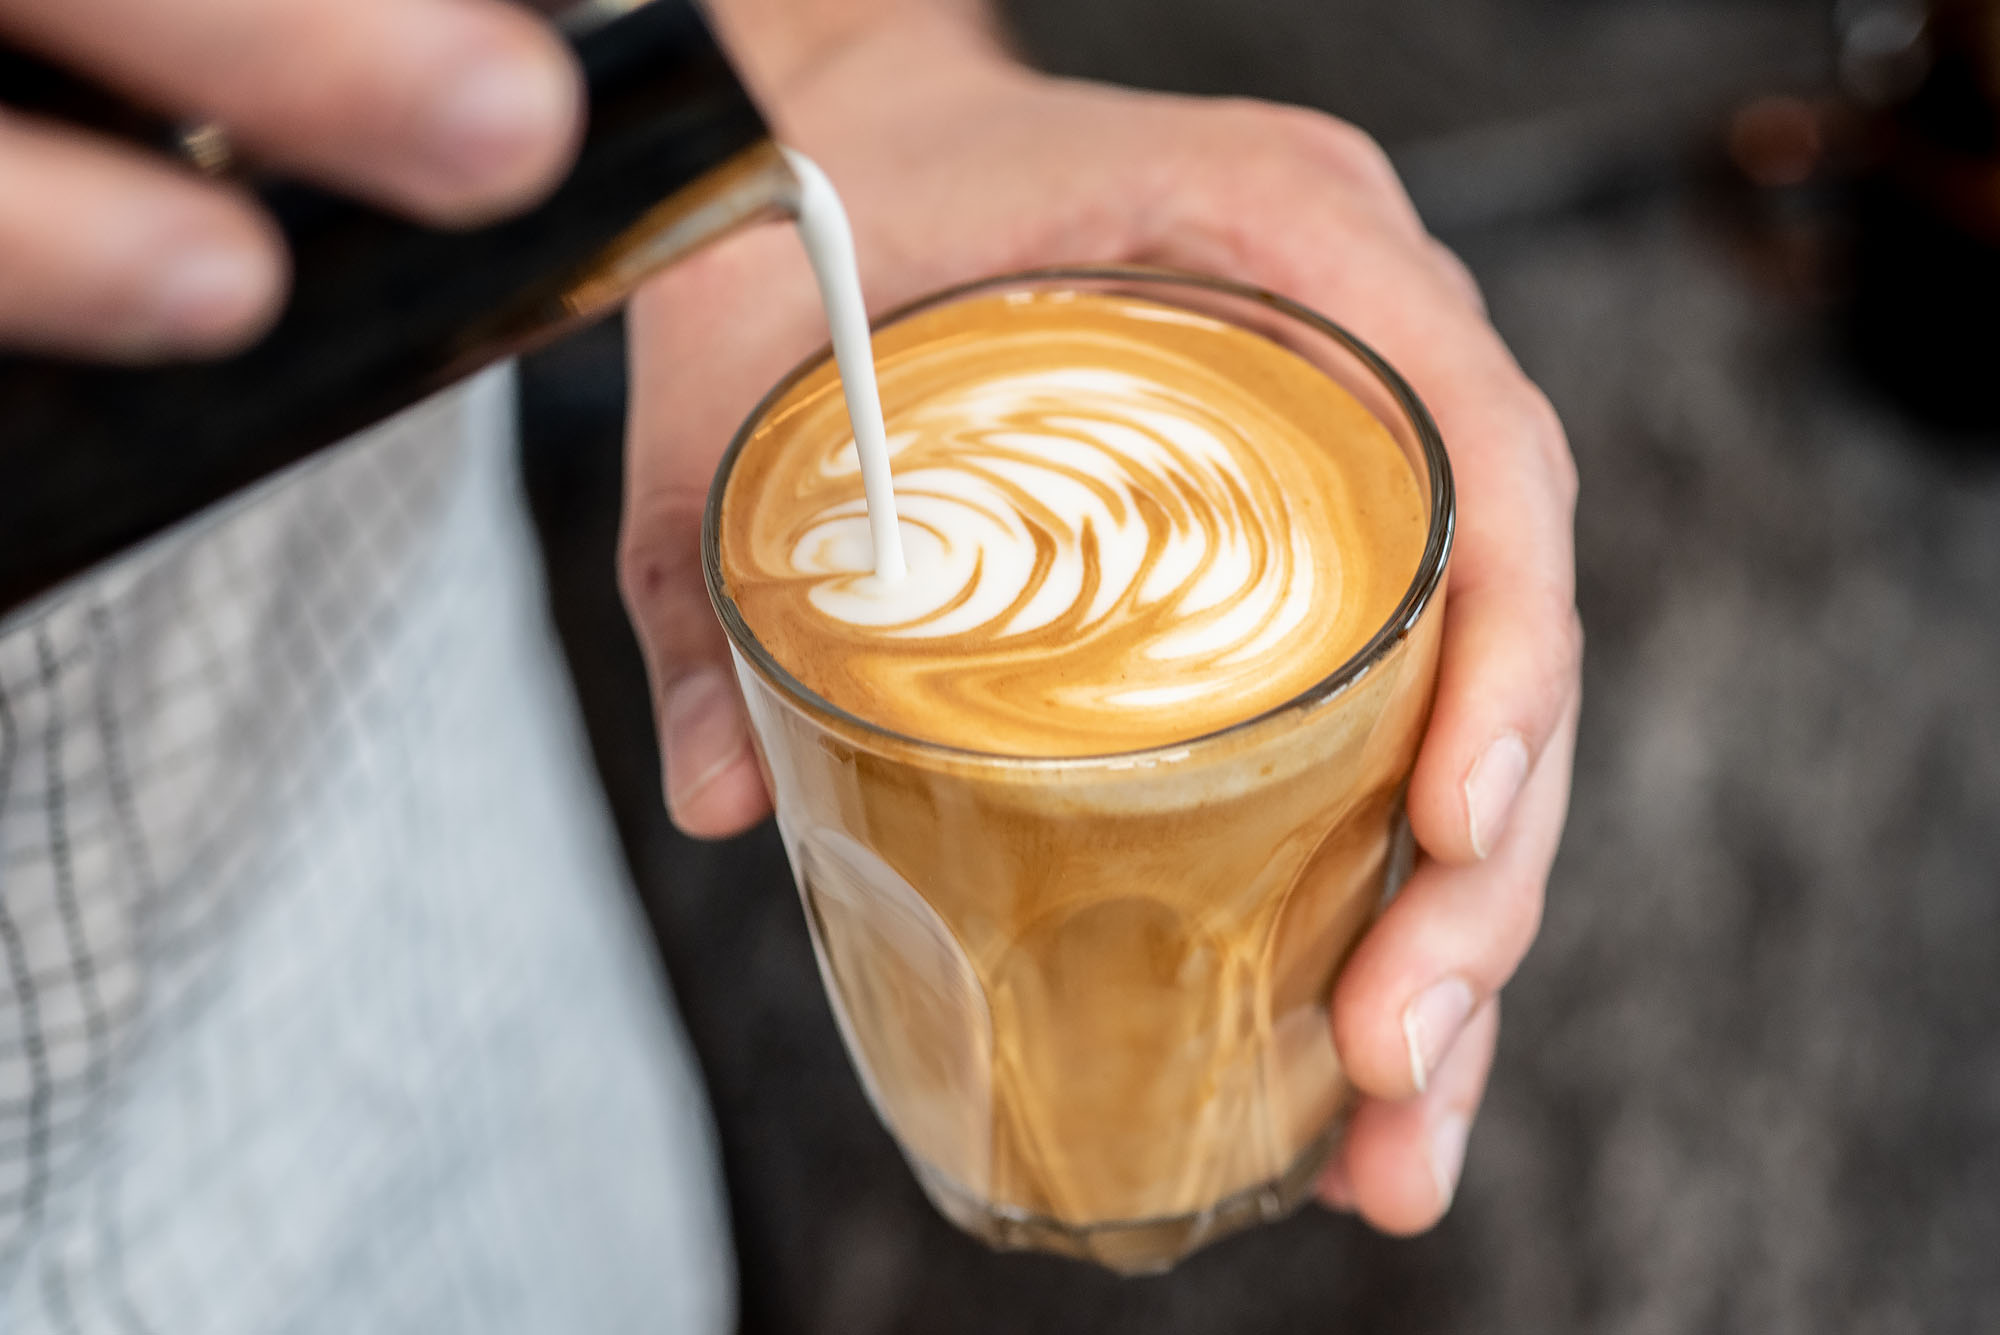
column 640, row 574
column 1458, row 274
column 1545, row 660
column 1339, row 143
column 1281, row 135
column 1562, row 654
column 657, row 544
column 1568, row 482
column 1518, row 913
column 1573, row 640
column 1543, row 426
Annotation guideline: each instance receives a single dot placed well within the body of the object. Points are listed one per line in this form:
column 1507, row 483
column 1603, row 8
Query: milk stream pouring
column 96, row 459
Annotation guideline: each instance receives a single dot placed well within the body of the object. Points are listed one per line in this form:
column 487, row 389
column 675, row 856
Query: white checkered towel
column 324, row 1006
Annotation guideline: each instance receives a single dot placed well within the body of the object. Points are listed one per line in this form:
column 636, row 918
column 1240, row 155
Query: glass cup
column 1089, row 995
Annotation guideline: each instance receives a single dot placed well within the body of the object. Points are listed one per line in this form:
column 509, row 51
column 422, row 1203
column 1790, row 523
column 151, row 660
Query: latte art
column 1094, row 502
column 1121, row 526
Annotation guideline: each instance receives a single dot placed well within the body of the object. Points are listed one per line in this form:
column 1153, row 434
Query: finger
column 452, row 109
column 1448, row 942
column 688, row 396
column 1400, row 1162
column 1458, row 275
column 1511, row 658
column 1511, row 652
column 1512, row 644
column 105, row 253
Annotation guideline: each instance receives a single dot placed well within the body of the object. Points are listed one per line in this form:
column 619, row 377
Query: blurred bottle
column 1927, row 206
column 94, row 459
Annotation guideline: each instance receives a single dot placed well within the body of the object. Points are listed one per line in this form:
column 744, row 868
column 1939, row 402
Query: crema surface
column 1126, row 525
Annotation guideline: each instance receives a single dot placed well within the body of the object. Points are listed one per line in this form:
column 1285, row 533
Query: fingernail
column 705, row 733
column 1430, row 1022
column 1490, row 790
column 499, row 116
column 208, row 291
column 1447, row 1156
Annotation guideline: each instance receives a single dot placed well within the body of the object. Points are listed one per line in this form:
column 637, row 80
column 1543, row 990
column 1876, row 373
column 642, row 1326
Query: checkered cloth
column 324, row 1006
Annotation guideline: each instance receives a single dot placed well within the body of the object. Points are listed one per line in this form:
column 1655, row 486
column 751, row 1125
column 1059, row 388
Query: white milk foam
column 1089, row 453
column 1126, row 521
column 975, row 555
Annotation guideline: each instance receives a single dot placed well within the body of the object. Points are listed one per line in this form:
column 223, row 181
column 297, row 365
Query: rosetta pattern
column 1090, row 508
column 1125, row 524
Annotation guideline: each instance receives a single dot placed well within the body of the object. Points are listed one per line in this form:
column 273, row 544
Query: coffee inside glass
column 1088, row 992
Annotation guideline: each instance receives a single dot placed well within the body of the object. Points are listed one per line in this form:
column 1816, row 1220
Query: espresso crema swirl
column 1126, row 525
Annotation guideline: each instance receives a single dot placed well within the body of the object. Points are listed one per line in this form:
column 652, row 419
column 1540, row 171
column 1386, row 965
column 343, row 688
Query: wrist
column 783, row 48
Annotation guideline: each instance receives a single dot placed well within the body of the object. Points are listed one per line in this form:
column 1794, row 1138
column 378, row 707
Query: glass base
column 1138, row 1246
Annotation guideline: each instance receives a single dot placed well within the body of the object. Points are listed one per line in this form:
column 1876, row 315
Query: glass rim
column 1417, row 597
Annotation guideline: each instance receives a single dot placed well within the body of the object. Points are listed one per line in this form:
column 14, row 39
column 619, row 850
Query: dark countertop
column 1750, row 1075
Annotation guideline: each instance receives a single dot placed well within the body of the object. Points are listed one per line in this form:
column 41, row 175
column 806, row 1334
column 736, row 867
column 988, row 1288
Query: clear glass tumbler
column 1089, row 995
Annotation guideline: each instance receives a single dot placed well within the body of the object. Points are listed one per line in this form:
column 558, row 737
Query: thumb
column 706, row 339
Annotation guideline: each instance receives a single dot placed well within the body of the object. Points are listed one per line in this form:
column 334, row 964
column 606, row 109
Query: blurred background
column 1750, row 1075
